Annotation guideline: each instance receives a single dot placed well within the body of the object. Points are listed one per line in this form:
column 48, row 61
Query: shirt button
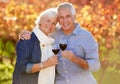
column 67, row 80
column 65, row 71
column 63, row 62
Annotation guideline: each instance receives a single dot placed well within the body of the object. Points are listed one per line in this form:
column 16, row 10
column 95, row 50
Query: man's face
column 48, row 25
column 66, row 19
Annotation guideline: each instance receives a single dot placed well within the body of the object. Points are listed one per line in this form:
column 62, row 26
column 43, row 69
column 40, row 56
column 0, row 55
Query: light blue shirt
column 83, row 45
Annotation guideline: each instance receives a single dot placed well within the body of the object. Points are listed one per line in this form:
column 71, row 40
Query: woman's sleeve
column 23, row 55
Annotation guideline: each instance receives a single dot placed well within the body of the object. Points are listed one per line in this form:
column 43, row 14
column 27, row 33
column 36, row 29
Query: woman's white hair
column 49, row 13
column 67, row 5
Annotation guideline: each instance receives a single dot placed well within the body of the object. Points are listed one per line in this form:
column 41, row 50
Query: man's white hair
column 49, row 13
column 67, row 5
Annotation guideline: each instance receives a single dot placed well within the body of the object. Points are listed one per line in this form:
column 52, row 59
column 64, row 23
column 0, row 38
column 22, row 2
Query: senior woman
column 35, row 63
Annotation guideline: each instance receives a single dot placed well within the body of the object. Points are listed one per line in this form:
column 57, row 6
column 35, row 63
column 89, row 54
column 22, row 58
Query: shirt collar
column 77, row 29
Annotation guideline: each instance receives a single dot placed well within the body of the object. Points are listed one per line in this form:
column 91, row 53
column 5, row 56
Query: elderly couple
column 36, row 64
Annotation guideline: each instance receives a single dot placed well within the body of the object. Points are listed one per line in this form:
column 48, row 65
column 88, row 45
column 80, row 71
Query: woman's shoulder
column 26, row 42
column 34, row 37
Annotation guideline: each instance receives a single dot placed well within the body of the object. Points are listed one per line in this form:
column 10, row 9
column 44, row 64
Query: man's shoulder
column 84, row 32
column 57, row 31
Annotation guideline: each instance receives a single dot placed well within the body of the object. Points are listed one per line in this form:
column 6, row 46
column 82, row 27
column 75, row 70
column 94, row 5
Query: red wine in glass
column 55, row 51
column 63, row 46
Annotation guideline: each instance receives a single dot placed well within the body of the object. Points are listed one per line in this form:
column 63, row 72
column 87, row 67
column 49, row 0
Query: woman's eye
column 54, row 23
column 48, row 20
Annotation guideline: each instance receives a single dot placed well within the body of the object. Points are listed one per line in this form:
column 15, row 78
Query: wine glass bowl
column 55, row 49
column 63, row 44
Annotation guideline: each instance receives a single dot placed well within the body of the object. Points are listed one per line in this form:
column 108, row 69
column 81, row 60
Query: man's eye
column 48, row 20
column 60, row 17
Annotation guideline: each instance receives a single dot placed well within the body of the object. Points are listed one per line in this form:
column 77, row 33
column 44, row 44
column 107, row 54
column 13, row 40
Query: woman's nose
column 50, row 25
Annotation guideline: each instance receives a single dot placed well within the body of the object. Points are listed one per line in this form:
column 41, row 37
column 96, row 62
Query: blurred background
column 101, row 17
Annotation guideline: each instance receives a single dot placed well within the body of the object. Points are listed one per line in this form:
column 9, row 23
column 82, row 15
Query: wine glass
column 55, row 49
column 63, row 44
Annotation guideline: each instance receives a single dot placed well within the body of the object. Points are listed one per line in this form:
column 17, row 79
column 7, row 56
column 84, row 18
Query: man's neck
column 68, row 32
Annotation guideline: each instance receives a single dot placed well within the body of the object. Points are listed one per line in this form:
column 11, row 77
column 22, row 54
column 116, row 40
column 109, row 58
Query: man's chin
column 66, row 28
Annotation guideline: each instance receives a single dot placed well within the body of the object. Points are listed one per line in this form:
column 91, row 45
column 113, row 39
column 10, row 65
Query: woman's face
column 48, row 25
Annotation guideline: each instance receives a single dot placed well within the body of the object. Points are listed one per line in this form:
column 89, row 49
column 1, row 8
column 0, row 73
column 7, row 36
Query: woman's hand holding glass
column 50, row 61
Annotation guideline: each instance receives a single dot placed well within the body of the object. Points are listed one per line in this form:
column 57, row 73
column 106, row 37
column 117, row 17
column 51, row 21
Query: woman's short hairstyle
column 67, row 5
column 49, row 13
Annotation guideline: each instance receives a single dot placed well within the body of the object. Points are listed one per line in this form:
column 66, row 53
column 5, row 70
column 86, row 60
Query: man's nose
column 65, row 20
